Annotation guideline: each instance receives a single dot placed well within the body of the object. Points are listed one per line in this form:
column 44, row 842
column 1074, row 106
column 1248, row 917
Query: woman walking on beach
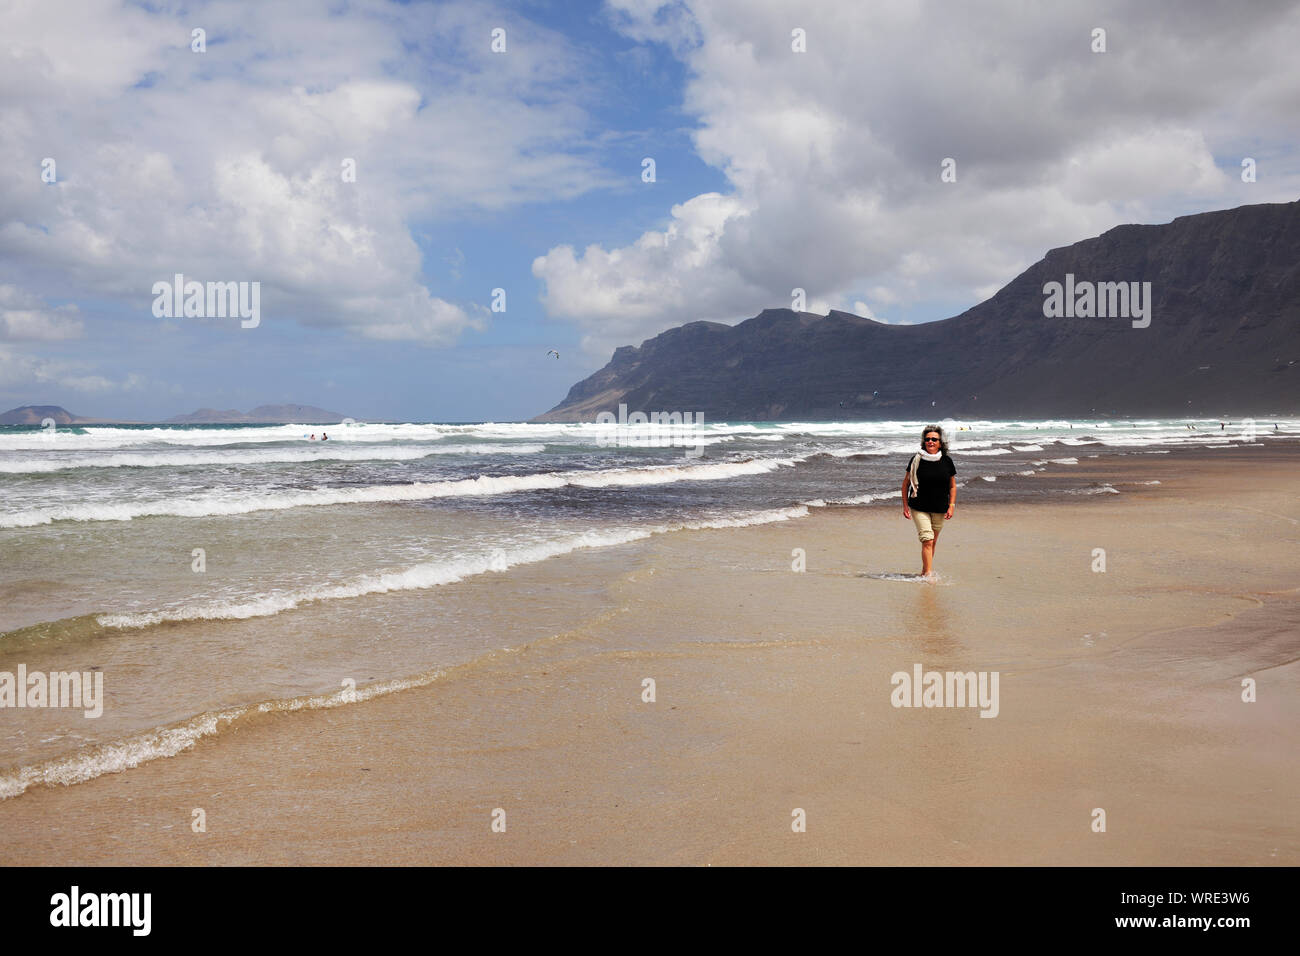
column 930, row 492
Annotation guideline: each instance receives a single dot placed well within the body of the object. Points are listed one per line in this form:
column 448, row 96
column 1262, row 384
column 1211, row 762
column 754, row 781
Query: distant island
column 1220, row 335
column 37, row 414
column 262, row 415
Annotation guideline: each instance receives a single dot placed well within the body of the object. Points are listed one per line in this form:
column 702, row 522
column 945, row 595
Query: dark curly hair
column 943, row 442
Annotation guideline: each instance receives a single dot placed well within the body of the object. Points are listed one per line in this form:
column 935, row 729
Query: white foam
column 905, row 578
column 101, row 437
column 741, row 521
column 851, row 452
column 901, row 435
column 246, row 503
column 1103, row 490
column 328, row 451
column 963, row 444
column 433, row 573
column 866, row 498
column 168, row 741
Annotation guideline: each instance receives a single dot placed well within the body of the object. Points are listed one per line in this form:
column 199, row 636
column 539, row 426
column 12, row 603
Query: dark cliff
column 1224, row 337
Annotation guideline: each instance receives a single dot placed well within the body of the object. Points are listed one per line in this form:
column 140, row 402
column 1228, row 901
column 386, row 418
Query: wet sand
column 1119, row 690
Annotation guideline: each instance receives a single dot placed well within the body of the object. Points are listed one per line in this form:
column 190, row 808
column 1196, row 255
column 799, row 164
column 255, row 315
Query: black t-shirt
column 932, row 481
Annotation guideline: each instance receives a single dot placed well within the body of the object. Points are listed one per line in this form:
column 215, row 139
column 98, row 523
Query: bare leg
column 927, row 555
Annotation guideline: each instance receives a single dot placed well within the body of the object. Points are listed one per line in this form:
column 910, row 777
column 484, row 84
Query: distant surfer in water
column 930, row 492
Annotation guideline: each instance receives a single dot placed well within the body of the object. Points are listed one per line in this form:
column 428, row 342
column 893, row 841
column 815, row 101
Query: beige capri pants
column 928, row 524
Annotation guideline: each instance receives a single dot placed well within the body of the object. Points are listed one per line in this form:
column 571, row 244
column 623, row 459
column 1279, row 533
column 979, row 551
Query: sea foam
column 248, row 502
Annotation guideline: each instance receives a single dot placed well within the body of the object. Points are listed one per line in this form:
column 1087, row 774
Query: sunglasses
column 934, row 439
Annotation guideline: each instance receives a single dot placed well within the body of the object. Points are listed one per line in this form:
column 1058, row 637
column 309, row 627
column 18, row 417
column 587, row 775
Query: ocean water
column 212, row 572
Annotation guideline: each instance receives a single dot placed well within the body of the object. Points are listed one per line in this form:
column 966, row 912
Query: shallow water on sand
column 200, row 578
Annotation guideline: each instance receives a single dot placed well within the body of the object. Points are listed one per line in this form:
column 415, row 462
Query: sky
column 430, row 197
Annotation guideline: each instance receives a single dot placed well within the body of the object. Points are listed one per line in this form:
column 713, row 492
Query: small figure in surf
column 930, row 492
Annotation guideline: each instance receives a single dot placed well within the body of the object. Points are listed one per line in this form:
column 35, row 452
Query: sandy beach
column 1118, row 690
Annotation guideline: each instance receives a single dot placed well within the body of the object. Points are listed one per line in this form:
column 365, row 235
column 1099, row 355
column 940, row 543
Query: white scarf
column 913, row 486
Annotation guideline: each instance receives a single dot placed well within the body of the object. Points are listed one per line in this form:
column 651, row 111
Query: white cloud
column 226, row 165
column 1142, row 164
column 833, row 155
column 23, row 371
column 418, row 317
column 622, row 291
column 26, row 318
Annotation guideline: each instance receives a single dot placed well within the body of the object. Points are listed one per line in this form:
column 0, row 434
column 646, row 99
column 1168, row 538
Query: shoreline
column 1098, row 669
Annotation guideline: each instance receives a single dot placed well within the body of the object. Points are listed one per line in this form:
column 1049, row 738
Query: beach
column 1119, row 690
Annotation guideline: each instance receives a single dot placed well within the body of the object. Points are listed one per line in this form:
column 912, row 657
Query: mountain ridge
column 261, row 415
column 36, row 414
column 1224, row 336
